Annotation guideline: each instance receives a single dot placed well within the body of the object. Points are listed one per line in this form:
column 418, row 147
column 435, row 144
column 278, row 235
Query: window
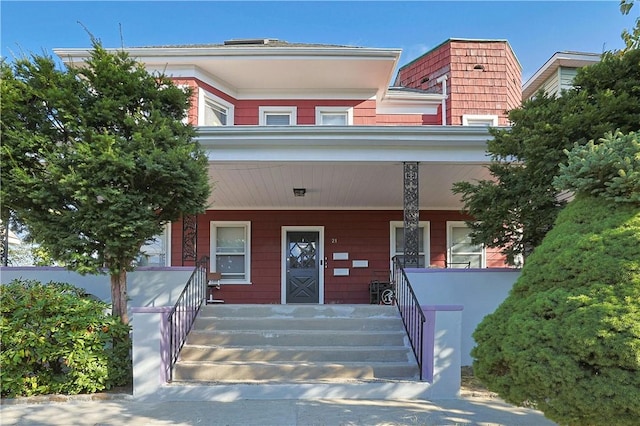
column 230, row 251
column 214, row 114
column 397, row 242
column 277, row 116
column 479, row 120
column 461, row 253
column 155, row 252
column 215, row 111
column 334, row 116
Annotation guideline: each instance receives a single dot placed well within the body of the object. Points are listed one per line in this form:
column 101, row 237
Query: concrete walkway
column 126, row 411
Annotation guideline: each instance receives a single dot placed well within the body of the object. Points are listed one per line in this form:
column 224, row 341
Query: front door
column 303, row 265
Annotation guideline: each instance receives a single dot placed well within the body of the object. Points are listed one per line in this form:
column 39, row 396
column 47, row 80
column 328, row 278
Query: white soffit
column 256, row 72
column 333, row 186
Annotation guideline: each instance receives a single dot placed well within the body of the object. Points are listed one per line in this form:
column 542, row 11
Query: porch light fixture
column 299, row 192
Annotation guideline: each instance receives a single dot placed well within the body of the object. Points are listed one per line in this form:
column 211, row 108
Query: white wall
column 147, row 287
column 479, row 291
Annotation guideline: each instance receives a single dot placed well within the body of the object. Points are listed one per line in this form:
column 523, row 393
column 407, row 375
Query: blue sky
column 535, row 29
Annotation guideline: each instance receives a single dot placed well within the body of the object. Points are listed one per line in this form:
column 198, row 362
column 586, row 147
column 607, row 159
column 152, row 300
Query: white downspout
column 443, row 80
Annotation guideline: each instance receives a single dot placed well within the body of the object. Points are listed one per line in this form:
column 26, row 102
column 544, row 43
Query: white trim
column 291, row 111
column 426, row 238
column 247, row 254
column 320, row 110
column 462, row 224
column 204, row 96
column 489, row 119
column 283, row 260
column 167, row 255
column 459, row 144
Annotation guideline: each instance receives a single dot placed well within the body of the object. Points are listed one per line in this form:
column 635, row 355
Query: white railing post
column 442, row 349
column 150, row 357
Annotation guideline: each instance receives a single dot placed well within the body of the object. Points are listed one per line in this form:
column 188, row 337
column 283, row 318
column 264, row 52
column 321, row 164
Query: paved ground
column 124, row 411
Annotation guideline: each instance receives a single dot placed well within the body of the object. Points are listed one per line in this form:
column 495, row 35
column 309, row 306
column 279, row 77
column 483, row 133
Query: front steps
column 296, row 352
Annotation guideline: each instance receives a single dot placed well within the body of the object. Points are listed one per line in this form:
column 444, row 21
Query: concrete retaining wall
column 479, row 291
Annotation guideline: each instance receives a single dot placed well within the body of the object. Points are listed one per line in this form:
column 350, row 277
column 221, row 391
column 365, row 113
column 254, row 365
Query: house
column 557, row 73
column 323, row 170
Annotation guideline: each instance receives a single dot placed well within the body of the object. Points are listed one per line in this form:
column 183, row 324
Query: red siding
column 362, row 234
column 492, row 91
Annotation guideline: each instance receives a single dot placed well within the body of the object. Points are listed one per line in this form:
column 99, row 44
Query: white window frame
column 247, row 249
column 426, row 225
column 205, row 97
column 165, row 240
column 462, row 224
column 291, row 111
column 322, row 110
column 479, row 120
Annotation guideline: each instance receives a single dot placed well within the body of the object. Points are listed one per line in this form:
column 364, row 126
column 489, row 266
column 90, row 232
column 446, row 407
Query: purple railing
column 185, row 311
column 410, row 310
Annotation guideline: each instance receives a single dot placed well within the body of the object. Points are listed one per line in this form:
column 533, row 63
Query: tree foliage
column 516, row 208
column 610, row 169
column 567, row 338
column 96, row 159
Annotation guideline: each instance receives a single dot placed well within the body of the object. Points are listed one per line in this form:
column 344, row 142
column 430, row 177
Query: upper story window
column 334, row 116
column 397, row 242
column 479, row 120
column 215, row 111
column 461, row 252
column 277, row 116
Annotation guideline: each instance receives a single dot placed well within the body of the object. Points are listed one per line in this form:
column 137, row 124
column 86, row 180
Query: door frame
column 283, row 260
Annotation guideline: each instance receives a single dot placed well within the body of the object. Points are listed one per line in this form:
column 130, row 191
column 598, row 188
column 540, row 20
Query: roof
column 269, row 68
column 247, row 42
column 557, row 60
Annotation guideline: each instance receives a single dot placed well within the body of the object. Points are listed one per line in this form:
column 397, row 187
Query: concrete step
column 296, row 344
column 290, row 372
column 380, row 389
column 295, row 323
column 298, row 311
column 297, row 353
column 296, row 338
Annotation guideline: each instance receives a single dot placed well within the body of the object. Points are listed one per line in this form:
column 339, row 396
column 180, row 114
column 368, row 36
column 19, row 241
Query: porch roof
column 341, row 167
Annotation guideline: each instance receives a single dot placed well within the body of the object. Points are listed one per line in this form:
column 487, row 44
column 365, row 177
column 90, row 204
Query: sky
column 534, row 29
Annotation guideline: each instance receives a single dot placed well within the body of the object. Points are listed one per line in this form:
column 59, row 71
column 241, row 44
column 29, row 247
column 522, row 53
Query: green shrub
column 57, row 340
column 567, row 338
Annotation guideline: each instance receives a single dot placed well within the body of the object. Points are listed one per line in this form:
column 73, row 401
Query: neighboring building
column 316, row 161
column 557, row 73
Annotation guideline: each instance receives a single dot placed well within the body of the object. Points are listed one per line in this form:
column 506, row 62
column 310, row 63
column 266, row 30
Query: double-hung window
column 461, row 252
column 215, row 111
column 277, row 116
column 230, row 251
column 334, row 116
column 397, row 242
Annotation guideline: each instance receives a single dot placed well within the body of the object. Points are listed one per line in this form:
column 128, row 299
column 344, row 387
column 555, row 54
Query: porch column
column 411, row 215
column 189, row 240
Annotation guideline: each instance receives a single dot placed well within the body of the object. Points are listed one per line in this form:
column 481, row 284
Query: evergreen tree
column 96, row 159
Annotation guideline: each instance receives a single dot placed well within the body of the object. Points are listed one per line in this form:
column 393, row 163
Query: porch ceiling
column 330, row 185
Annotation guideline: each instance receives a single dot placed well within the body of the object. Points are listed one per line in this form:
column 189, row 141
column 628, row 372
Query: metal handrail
column 185, row 311
column 411, row 312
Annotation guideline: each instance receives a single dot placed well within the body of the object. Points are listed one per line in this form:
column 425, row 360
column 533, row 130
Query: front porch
column 155, row 290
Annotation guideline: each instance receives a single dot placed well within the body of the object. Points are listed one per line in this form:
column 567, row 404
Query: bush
column 567, row 338
column 57, row 340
